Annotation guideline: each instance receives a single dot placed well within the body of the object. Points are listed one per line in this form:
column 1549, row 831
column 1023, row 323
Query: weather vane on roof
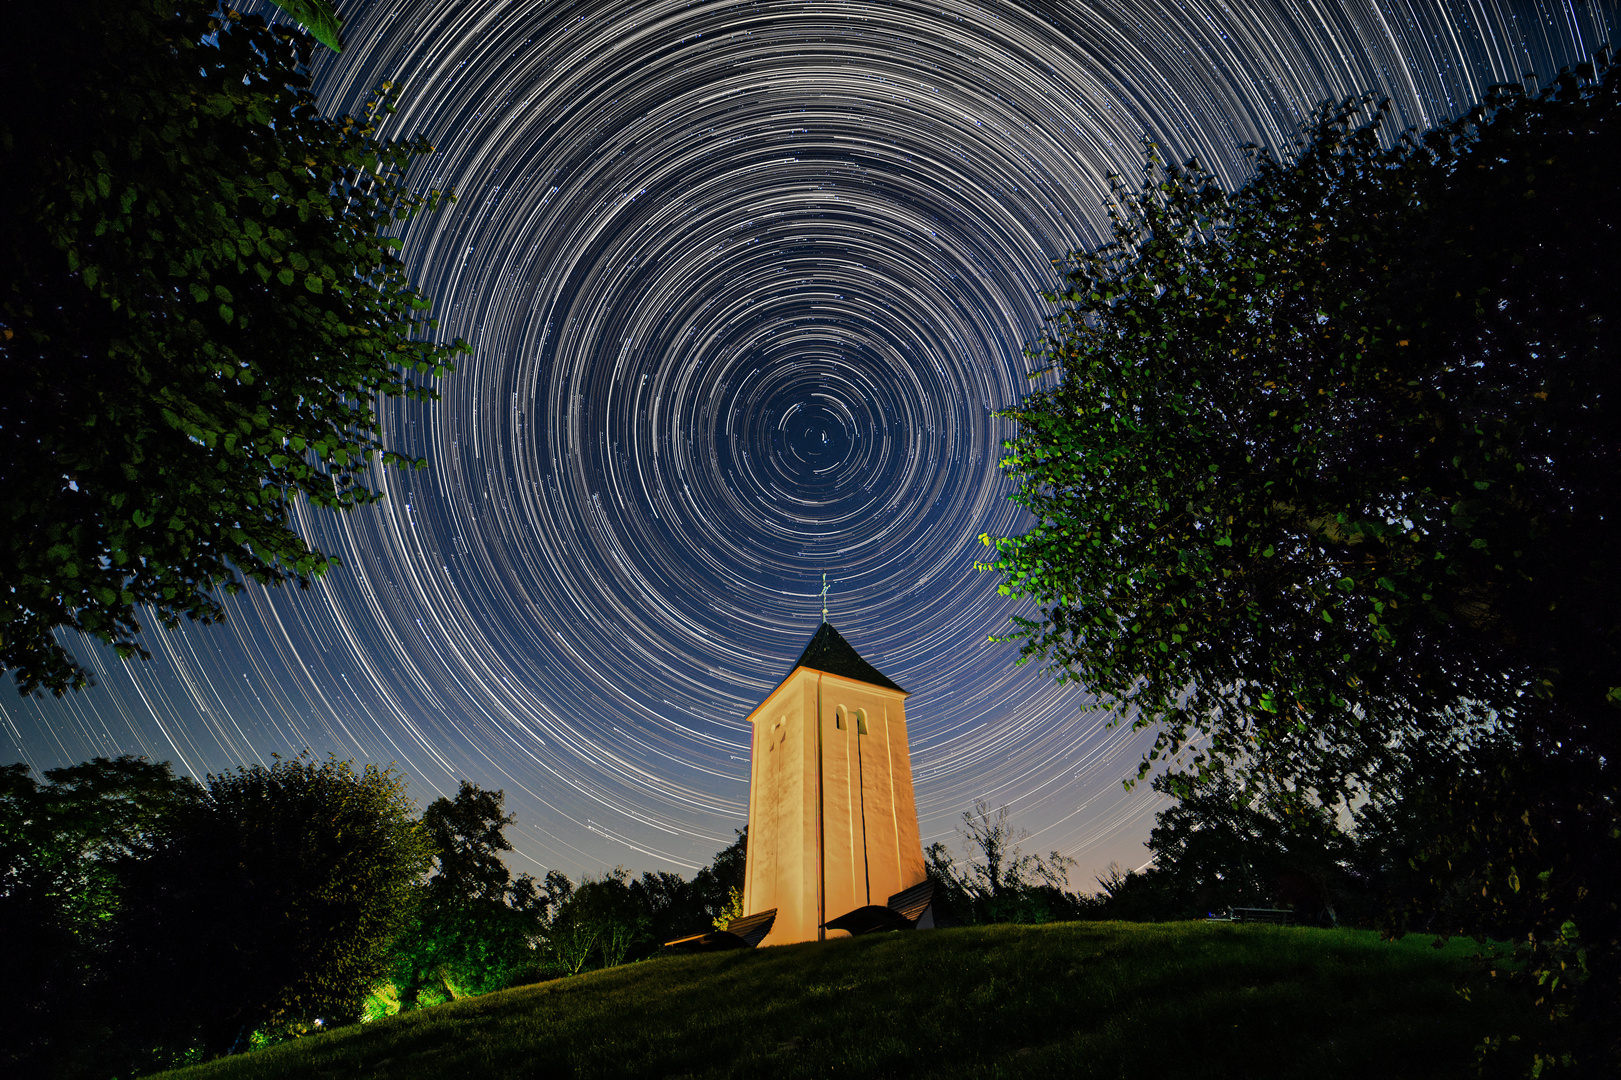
column 824, row 596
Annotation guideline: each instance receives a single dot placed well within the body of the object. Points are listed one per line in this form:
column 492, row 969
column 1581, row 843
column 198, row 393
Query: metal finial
column 824, row 596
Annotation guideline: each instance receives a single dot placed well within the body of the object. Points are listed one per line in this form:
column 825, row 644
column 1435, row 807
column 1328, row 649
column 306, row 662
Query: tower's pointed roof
column 829, row 652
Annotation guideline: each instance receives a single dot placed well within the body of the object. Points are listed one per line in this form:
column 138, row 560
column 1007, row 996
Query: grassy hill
column 1070, row 999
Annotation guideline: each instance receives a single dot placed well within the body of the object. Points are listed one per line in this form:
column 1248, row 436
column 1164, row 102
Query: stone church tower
column 833, row 834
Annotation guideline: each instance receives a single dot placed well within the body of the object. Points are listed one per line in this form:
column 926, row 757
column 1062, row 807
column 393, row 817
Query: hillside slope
column 1068, row 999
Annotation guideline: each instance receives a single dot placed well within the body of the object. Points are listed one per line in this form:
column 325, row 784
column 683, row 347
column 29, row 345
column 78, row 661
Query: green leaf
column 318, row 18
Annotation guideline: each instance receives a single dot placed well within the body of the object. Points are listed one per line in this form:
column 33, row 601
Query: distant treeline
column 149, row 920
column 1219, row 847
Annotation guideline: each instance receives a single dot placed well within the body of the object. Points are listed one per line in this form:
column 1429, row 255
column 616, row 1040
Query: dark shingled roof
column 829, row 652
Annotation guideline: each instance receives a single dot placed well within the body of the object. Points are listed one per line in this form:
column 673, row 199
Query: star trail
column 744, row 284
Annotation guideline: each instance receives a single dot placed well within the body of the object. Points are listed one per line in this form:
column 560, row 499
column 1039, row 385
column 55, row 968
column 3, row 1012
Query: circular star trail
column 745, row 284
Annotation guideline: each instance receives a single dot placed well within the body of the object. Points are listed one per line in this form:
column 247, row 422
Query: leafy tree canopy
column 716, row 882
column 1330, row 462
column 201, row 309
column 65, row 835
column 612, row 909
column 468, row 837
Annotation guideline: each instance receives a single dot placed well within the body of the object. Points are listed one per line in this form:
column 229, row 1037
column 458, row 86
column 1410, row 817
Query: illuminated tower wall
column 832, row 818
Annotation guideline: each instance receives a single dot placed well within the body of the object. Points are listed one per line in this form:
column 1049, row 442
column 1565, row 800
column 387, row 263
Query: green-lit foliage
column 473, row 927
column 382, row 1001
column 1328, row 477
column 201, row 308
column 274, row 899
column 732, row 910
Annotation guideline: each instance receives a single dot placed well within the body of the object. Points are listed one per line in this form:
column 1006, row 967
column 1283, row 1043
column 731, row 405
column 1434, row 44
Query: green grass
column 1183, row 1000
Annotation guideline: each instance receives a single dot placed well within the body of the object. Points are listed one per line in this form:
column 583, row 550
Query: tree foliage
column 622, row 922
column 60, row 845
column 1323, row 457
column 473, row 925
column 468, row 837
column 716, row 889
column 201, row 310
column 1219, row 847
column 276, row 897
column 66, row 835
column 678, row 908
column 1327, row 478
column 732, row 910
column 149, row 919
column 318, row 18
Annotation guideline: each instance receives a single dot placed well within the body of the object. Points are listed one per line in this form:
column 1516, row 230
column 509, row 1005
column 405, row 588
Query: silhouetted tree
column 725, row 872
column 674, row 906
column 1219, row 847
column 603, row 918
column 998, row 882
column 678, row 908
column 275, row 897
column 60, row 845
column 1143, row 895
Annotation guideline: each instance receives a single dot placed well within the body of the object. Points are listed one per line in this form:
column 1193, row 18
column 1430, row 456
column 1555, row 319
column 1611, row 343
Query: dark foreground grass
column 1184, row 1000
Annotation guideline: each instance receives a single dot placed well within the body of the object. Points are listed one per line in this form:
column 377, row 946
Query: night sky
column 744, row 283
